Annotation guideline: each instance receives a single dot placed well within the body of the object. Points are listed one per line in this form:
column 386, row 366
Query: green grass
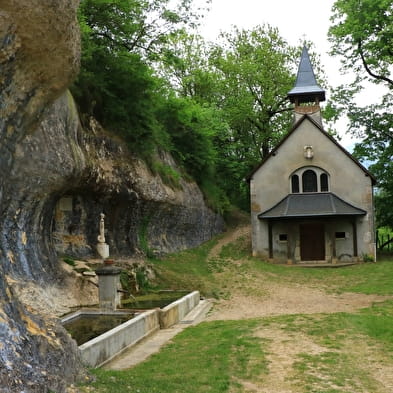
column 332, row 372
column 192, row 269
column 329, row 330
column 368, row 278
column 187, row 270
column 209, row 357
column 217, row 356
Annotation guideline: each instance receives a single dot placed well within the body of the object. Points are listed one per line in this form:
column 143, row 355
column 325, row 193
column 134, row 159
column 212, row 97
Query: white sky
column 296, row 20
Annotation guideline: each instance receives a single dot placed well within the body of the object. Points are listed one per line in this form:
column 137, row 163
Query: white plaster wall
column 271, row 182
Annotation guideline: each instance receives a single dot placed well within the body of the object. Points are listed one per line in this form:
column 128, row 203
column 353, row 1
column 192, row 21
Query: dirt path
column 264, row 295
column 286, row 349
column 229, row 237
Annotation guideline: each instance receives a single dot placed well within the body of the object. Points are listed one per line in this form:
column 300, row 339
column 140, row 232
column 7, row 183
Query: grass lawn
column 227, row 356
column 313, row 353
column 193, row 269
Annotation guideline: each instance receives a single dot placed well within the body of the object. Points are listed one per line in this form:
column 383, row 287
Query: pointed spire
column 306, row 87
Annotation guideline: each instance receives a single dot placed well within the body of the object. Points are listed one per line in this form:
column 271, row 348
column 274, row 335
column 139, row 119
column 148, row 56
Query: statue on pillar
column 102, row 247
column 101, row 236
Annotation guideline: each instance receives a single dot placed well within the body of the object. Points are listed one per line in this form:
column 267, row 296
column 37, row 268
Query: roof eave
column 311, row 96
column 319, row 126
column 288, row 217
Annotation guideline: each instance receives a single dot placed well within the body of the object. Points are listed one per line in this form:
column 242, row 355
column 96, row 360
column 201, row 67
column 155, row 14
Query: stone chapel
column 311, row 200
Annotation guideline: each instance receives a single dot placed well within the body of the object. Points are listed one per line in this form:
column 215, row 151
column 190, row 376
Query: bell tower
column 306, row 94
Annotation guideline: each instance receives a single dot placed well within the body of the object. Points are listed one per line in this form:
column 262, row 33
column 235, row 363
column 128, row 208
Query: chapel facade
column 311, row 200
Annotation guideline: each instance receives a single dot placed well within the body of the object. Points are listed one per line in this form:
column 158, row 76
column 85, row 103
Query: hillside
column 273, row 328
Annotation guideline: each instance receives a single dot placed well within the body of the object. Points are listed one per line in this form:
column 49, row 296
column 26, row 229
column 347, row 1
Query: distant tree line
column 221, row 107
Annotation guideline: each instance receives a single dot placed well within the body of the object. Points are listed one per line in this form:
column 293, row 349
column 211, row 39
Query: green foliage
column 143, row 237
column 362, row 34
column 69, row 261
column 141, row 279
column 243, row 79
column 142, row 27
column 169, row 175
column 125, row 281
column 219, row 109
column 118, row 89
column 116, row 85
column 255, row 72
column 191, row 127
column 215, row 196
column 185, row 65
column 367, row 258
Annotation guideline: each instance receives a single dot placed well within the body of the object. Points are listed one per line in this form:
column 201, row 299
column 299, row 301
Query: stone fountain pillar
column 108, row 283
column 102, row 247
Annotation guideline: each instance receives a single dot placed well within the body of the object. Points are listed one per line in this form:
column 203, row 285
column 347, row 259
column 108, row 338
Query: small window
column 309, row 181
column 340, row 235
column 324, row 182
column 283, row 237
column 295, row 183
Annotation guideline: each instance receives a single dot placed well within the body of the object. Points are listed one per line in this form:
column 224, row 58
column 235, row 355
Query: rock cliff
column 55, row 180
column 64, row 176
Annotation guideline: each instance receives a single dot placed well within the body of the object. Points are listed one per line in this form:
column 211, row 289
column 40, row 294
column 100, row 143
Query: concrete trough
column 176, row 311
column 103, row 348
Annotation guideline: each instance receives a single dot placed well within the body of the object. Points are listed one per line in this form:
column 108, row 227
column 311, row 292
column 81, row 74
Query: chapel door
column 312, row 242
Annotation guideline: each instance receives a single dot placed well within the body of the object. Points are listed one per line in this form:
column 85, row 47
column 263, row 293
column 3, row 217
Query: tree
column 137, row 26
column 116, row 84
column 245, row 78
column 256, row 69
column 362, row 35
column 185, row 65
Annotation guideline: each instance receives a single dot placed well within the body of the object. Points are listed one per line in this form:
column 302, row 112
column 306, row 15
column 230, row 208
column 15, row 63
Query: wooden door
column 312, row 242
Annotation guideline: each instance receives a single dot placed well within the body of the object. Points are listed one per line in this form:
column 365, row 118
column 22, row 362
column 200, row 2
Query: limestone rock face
column 61, row 179
column 64, row 176
column 56, row 179
column 39, row 46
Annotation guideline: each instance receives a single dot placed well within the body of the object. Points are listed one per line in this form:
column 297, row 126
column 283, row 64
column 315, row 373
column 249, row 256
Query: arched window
column 324, row 182
column 309, row 181
column 295, row 183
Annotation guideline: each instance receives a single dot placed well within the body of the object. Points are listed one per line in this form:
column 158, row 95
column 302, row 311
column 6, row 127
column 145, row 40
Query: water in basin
column 85, row 327
column 153, row 300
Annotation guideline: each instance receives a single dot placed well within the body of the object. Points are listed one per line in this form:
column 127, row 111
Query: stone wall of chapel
column 271, row 182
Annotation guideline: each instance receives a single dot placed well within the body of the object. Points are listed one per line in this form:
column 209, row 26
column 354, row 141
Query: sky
column 296, row 20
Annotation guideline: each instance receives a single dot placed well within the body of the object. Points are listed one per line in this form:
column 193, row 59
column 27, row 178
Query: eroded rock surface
column 56, row 178
column 39, row 54
column 63, row 178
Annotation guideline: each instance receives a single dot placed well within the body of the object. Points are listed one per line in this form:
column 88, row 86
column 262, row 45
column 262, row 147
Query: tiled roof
column 311, row 205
